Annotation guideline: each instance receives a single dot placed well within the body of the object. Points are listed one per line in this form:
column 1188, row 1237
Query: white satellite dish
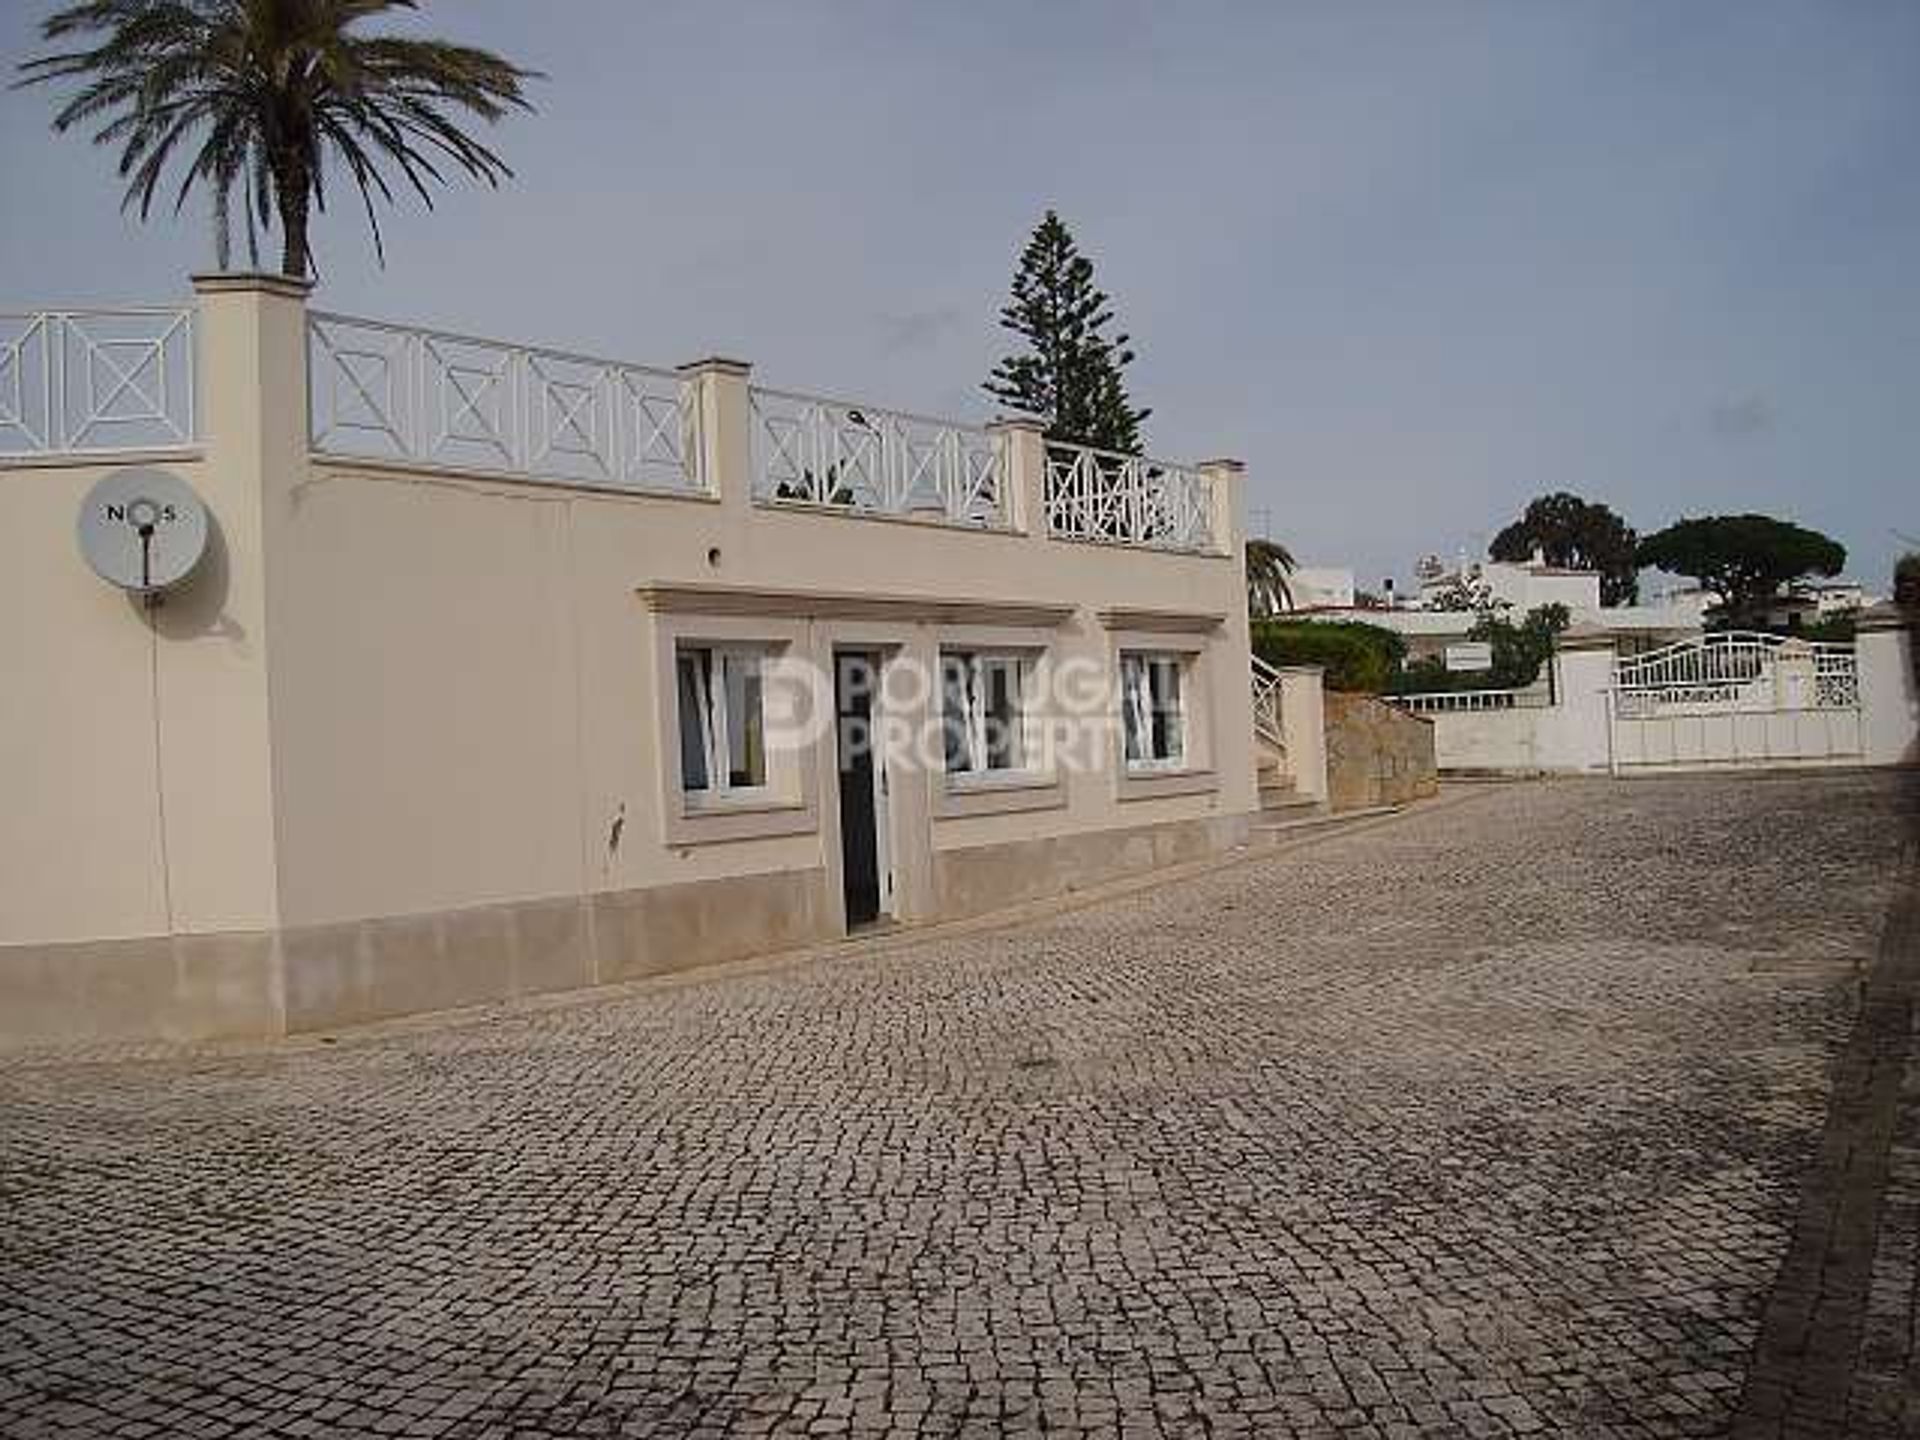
column 143, row 530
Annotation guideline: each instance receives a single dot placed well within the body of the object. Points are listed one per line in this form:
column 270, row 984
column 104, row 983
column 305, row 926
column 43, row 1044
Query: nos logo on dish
column 142, row 514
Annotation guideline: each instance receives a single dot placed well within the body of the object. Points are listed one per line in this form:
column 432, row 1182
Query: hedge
column 1356, row 656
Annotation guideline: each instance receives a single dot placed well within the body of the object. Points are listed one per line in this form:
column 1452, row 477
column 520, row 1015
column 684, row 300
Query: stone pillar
column 1233, row 649
column 1889, row 688
column 724, row 405
column 1023, row 451
column 1576, row 733
column 1303, row 715
column 214, row 640
column 1228, row 493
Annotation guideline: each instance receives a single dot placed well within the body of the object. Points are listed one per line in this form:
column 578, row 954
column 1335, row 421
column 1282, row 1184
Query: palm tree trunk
column 292, row 197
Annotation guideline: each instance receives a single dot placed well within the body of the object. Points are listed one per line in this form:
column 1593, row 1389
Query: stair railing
column 1269, row 715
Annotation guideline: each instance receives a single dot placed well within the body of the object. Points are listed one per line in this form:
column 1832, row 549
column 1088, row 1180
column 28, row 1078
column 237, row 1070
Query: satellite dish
column 143, row 530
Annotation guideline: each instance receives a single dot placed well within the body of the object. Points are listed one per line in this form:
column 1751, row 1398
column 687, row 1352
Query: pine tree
column 1071, row 373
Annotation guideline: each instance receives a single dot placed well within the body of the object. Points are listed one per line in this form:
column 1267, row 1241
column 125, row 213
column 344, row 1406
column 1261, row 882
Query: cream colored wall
column 426, row 702
column 136, row 742
column 80, row 834
column 465, row 703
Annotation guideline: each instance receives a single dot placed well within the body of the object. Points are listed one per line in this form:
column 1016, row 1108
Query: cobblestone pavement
column 1501, row 1118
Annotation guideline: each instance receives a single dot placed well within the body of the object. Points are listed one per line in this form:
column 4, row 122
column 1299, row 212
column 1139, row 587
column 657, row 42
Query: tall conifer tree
column 1071, row 373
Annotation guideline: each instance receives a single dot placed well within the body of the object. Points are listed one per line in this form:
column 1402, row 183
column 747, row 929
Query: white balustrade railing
column 121, row 381
column 390, row 392
column 1099, row 495
column 1269, row 707
column 1440, row 702
column 809, row 450
column 81, row 382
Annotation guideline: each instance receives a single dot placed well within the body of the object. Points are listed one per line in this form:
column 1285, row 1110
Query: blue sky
column 1416, row 263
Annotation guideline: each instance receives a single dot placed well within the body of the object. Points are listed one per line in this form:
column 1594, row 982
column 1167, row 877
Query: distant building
column 1451, row 599
column 1811, row 603
column 1524, row 585
column 1321, row 587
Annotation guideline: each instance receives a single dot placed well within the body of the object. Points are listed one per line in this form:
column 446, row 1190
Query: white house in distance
column 1523, row 585
column 1321, row 587
column 1814, row 602
column 1431, row 623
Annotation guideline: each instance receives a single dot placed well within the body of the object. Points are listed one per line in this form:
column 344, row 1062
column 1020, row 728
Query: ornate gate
column 1735, row 698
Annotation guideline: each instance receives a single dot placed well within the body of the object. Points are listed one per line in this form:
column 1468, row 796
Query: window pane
column 956, row 690
column 691, row 676
column 1002, row 702
column 1134, row 705
column 1168, row 741
column 746, row 722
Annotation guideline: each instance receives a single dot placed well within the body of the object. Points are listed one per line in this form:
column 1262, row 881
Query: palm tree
column 1269, row 563
column 265, row 93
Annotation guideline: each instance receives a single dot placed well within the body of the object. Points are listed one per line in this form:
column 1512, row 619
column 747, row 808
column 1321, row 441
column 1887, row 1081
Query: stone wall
column 1376, row 754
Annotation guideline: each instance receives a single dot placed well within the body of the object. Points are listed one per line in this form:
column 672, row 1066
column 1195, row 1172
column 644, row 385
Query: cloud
column 1741, row 417
column 916, row 330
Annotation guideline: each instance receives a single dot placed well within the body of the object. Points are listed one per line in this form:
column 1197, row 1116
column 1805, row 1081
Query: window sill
column 970, row 781
column 1150, row 783
column 1003, row 792
column 751, row 817
column 753, row 802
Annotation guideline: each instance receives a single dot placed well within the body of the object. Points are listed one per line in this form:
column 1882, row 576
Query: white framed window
column 1153, row 709
column 721, row 696
column 983, row 705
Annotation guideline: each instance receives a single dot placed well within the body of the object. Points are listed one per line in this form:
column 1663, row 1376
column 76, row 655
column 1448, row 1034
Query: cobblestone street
column 1502, row 1117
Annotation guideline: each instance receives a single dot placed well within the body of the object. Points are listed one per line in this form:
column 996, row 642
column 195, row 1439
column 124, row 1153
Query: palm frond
column 1269, row 564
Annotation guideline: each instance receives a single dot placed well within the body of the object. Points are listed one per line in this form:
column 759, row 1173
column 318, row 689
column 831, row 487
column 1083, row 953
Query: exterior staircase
column 1280, row 798
column 1281, row 803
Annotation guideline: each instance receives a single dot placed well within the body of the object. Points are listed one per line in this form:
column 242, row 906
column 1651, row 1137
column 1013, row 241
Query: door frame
column 879, row 657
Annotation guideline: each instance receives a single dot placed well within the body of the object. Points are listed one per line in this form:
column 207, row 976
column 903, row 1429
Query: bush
column 1356, row 656
column 1519, row 651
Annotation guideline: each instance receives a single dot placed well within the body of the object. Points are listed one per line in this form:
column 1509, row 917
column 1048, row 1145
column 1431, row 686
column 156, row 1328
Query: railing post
column 724, row 404
column 1226, row 480
column 1303, row 707
column 1023, row 454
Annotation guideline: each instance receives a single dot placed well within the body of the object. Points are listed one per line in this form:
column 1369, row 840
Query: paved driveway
column 1499, row 1118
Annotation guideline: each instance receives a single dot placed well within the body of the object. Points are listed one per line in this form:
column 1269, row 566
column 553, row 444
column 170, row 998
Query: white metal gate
column 1735, row 698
